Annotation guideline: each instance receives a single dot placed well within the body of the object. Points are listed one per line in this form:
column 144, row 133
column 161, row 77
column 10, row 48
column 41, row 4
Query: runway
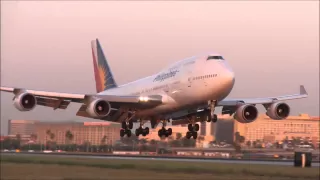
column 157, row 158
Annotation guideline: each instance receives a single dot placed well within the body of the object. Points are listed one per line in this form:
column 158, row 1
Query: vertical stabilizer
column 102, row 72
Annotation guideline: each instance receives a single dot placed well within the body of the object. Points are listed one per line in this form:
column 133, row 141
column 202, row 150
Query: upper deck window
column 215, row 57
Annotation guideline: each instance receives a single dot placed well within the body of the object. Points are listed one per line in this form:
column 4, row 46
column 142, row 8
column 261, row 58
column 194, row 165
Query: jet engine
column 25, row 102
column 246, row 113
column 278, row 111
column 99, row 108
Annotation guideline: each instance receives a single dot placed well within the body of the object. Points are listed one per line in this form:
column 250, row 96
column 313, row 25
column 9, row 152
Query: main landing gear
column 163, row 131
column 193, row 129
column 126, row 126
column 209, row 116
column 141, row 130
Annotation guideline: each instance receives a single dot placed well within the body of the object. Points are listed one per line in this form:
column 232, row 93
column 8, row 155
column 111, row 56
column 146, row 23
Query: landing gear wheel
column 130, row 125
column 128, row 132
column 196, row 127
column 164, row 132
column 190, row 127
column 215, row 118
column 169, row 131
column 142, row 131
column 123, row 125
column 161, row 132
column 195, row 135
column 146, row 130
column 137, row 132
column 122, row 132
column 188, row 135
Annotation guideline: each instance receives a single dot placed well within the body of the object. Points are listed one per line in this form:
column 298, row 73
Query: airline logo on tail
column 103, row 75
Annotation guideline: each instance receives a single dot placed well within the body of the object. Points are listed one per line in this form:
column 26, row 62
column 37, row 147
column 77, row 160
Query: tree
column 188, row 142
column 153, row 142
column 18, row 139
column 248, row 143
column 242, row 139
column 254, row 143
column 103, row 140
column 200, row 139
column 178, row 136
column 52, row 136
column 69, row 136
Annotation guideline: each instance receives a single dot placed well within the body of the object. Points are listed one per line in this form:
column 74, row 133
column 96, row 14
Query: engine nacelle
column 99, row 108
column 25, row 102
column 278, row 111
column 246, row 113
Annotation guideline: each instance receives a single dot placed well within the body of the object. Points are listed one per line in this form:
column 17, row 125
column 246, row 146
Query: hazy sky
column 272, row 46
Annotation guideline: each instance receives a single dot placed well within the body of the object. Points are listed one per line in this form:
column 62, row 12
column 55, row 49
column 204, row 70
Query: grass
column 57, row 167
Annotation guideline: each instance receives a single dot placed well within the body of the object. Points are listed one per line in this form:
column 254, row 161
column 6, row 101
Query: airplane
column 185, row 92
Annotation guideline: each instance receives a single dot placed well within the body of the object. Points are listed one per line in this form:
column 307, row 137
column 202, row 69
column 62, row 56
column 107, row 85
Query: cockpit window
column 215, row 57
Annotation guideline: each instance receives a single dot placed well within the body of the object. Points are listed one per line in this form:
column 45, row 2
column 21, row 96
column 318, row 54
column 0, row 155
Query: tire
column 123, row 125
column 169, row 131
column 188, row 135
column 215, row 118
column 137, row 132
column 195, row 135
column 190, row 127
column 128, row 133
column 122, row 133
column 130, row 124
column 196, row 127
column 147, row 130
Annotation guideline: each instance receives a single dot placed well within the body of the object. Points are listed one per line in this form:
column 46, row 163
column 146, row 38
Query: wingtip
column 303, row 90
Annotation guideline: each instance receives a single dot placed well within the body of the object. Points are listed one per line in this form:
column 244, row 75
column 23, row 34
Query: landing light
column 143, row 98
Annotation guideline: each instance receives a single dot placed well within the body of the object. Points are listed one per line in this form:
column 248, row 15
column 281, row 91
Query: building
column 224, row 130
column 94, row 133
column 21, row 127
column 269, row 130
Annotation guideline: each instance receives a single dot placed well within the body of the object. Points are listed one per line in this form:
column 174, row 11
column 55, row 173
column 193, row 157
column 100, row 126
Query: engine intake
column 278, row 111
column 25, row 102
column 246, row 114
column 99, row 108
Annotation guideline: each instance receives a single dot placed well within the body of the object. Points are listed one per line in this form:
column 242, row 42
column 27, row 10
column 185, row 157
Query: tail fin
column 102, row 72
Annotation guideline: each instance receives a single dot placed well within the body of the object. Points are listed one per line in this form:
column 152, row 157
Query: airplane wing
column 58, row 100
column 268, row 100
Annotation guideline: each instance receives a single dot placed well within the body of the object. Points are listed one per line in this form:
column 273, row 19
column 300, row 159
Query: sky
column 273, row 47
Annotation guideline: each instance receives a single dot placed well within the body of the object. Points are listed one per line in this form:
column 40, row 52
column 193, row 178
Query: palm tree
column 178, row 136
column 48, row 132
column 18, row 136
column 200, row 139
column 103, row 140
column 69, row 136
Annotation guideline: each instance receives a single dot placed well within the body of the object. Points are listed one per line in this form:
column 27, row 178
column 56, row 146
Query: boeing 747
column 186, row 92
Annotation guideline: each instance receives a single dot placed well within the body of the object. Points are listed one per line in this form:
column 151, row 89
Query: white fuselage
column 186, row 83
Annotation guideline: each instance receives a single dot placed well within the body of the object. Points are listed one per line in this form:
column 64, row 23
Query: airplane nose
column 228, row 77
